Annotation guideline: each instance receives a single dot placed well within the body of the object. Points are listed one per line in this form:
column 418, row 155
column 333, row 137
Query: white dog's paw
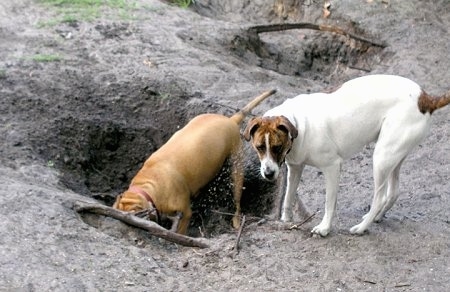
column 321, row 230
column 358, row 229
column 286, row 216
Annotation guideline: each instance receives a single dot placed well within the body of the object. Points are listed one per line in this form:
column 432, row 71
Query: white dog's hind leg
column 386, row 165
column 332, row 174
column 378, row 201
column 294, row 173
column 392, row 192
column 401, row 131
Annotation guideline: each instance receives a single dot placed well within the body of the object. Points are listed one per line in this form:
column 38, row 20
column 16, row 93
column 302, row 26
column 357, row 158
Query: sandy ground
column 79, row 127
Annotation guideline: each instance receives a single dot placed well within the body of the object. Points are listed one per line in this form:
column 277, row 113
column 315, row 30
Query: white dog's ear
column 252, row 126
column 286, row 126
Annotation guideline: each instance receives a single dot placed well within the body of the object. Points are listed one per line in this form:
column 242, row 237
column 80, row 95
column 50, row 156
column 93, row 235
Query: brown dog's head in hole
column 135, row 202
column 131, row 202
column 272, row 138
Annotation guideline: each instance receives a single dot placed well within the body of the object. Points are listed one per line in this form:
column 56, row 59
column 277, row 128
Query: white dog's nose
column 269, row 169
column 269, row 173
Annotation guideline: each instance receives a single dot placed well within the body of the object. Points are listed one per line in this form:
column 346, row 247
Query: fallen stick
column 302, row 25
column 153, row 228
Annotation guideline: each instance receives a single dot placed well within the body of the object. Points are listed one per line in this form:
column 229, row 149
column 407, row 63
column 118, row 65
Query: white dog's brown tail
column 428, row 103
column 240, row 116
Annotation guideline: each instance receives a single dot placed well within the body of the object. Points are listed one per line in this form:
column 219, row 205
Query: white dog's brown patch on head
column 272, row 136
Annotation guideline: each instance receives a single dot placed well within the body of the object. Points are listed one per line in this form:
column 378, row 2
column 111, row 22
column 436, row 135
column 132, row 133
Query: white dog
column 324, row 129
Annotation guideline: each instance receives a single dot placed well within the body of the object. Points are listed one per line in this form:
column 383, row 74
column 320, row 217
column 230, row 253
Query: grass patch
column 182, row 3
column 45, row 58
column 71, row 11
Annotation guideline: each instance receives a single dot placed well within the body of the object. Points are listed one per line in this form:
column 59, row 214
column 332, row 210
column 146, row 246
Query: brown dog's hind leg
column 238, row 183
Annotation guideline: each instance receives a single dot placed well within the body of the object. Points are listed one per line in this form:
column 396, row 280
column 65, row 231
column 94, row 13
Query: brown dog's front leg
column 184, row 221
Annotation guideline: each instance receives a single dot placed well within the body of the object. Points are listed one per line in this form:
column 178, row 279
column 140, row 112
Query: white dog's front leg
column 294, row 173
column 332, row 185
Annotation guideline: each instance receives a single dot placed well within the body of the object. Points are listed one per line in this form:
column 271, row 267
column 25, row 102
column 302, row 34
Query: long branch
column 302, row 25
column 153, row 228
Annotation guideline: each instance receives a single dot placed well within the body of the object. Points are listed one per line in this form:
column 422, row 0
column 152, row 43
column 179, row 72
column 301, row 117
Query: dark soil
column 79, row 127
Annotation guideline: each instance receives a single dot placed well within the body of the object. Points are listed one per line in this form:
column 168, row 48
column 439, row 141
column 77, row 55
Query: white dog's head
column 272, row 139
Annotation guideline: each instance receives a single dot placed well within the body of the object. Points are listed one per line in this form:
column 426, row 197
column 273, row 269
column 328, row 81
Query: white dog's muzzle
column 269, row 169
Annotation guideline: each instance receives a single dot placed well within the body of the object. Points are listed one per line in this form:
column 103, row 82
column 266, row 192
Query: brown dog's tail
column 240, row 116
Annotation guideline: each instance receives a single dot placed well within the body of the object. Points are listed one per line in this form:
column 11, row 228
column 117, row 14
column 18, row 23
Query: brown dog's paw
column 236, row 222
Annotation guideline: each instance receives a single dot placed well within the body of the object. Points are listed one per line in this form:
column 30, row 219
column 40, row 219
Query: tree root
column 249, row 38
column 302, row 25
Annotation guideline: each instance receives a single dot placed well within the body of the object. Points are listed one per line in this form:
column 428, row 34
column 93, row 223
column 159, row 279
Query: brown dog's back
column 196, row 152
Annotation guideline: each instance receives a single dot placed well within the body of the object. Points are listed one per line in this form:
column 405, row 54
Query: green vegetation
column 182, row 3
column 78, row 10
column 46, row 58
column 72, row 11
column 85, row 3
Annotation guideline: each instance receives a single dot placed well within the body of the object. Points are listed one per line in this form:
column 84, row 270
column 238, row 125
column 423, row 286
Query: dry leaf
column 149, row 63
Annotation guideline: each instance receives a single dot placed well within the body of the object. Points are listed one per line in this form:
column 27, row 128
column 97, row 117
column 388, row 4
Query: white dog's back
column 364, row 102
column 376, row 88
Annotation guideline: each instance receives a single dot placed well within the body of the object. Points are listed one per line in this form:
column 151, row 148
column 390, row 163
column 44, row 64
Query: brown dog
column 191, row 158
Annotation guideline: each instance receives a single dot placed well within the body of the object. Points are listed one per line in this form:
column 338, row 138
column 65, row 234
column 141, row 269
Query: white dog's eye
column 277, row 149
column 261, row 148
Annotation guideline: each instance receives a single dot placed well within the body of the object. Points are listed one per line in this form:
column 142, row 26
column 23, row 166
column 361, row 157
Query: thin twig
column 296, row 226
column 360, row 68
column 153, row 228
column 366, row 281
column 238, row 238
column 232, row 214
column 399, row 285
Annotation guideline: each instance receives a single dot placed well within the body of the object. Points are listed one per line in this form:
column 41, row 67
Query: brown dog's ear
column 252, row 126
column 286, row 126
column 117, row 202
